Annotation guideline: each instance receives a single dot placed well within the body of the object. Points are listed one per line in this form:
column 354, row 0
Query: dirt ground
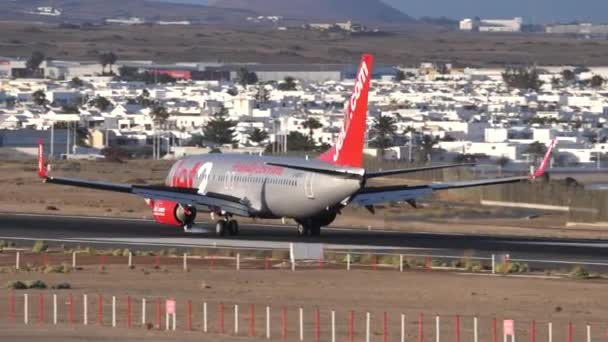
column 449, row 213
column 410, row 293
column 266, row 45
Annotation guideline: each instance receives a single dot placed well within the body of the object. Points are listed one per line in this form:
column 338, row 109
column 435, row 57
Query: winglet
column 41, row 164
column 543, row 166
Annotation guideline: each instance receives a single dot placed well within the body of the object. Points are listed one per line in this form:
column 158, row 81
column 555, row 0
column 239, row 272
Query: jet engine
column 172, row 213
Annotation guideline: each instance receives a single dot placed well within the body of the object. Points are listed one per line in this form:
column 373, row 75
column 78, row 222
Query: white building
column 492, row 25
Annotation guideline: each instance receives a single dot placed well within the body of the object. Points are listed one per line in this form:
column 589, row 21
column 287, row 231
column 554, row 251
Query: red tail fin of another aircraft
column 348, row 150
column 41, row 165
column 543, row 166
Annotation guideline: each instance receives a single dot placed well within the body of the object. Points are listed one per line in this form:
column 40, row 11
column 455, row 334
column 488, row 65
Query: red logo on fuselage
column 184, row 177
column 257, row 168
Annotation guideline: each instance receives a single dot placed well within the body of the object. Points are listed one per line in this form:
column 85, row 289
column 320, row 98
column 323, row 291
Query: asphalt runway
column 115, row 232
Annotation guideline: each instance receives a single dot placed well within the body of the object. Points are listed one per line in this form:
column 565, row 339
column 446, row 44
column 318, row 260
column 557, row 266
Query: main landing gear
column 308, row 230
column 227, row 226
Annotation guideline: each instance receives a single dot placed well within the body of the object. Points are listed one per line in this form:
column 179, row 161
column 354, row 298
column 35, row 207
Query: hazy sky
column 535, row 11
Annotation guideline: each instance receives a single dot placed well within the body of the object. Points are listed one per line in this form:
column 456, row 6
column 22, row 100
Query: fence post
column 367, row 327
column 11, row 307
column 402, row 327
column 570, row 332
column 130, row 259
column 174, row 319
column 205, row 317
column 167, row 318
column 494, row 331
column 475, row 330
column 385, row 327
column 71, row 308
column 550, row 332
column 588, row 333
column 375, row 262
column 25, row 309
column 158, row 313
column 400, row 262
column 333, row 326
column 238, row 261
column 221, row 319
column 189, row 315
column 99, row 309
column 437, row 332
column 128, row 311
column 351, row 326
column 457, row 328
column 114, row 311
column 317, row 325
column 493, row 264
column 301, row 324
column 251, row 320
column 17, row 260
column 284, row 322
column 268, row 322
column 74, row 260
column 54, row 309
column 40, row 308
column 211, row 262
column 420, row 327
column 185, row 262
column 348, row 262
column 85, row 309
column 236, row 319
column 143, row 311
column 532, row 331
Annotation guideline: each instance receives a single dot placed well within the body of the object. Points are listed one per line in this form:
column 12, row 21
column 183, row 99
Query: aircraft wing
column 374, row 174
column 375, row 195
column 179, row 195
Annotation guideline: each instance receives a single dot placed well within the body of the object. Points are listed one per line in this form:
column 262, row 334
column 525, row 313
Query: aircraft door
column 229, row 180
column 308, row 185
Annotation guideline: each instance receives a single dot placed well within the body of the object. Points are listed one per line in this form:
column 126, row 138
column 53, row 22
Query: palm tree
column 258, row 136
column 536, row 150
column 426, row 145
column 107, row 58
column 502, row 162
column 383, row 132
column 311, row 124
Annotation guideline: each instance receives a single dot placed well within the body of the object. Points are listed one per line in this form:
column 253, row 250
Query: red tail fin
column 545, row 163
column 348, row 150
column 41, row 165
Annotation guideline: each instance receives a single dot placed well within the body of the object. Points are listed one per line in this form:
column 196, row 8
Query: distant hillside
column 98, row 10
column 366, row 11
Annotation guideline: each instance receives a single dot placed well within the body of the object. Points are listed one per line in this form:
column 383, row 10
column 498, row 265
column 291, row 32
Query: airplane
column 311, row 192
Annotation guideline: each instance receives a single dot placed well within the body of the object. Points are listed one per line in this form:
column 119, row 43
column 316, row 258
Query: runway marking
column 179, row 242
column 260, row 225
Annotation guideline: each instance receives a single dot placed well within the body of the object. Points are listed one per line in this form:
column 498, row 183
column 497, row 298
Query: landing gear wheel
column 303, row 230
column 220, row 228
column 233, row 227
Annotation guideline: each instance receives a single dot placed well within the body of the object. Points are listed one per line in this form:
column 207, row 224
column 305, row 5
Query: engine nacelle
column 172, row 213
